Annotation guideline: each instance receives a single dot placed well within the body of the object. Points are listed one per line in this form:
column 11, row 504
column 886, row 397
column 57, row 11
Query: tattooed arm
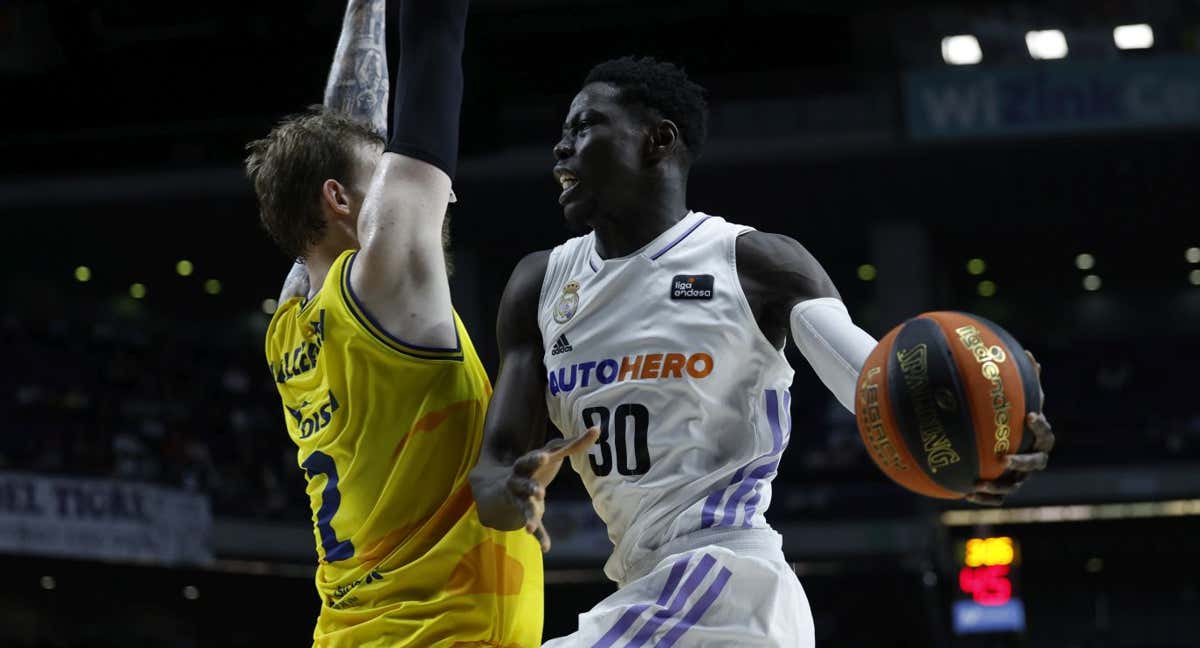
column 357, row 87
column 358, row 81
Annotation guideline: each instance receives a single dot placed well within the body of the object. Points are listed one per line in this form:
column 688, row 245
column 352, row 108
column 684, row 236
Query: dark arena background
column 1031, row 162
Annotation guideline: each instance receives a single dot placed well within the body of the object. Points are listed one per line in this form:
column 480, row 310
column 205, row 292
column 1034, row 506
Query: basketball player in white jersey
column 664, row 328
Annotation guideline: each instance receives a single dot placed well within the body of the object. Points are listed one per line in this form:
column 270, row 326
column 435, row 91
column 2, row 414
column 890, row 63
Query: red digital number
column 987, row 585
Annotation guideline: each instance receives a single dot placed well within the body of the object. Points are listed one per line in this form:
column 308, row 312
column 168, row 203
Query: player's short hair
column 289, row 165
column 663, row 87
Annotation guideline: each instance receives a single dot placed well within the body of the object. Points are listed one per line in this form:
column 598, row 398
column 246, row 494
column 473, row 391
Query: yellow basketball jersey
column 386, row 433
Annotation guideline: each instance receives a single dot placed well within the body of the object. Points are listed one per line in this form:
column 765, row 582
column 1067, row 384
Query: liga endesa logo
column 648, row 366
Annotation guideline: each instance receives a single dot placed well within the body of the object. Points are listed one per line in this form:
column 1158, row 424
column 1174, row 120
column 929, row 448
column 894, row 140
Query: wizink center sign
column 1053, row 97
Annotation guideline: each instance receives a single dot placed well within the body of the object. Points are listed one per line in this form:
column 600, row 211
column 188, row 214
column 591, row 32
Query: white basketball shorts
column 706, row 597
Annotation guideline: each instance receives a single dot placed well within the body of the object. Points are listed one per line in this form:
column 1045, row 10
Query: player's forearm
column 515, row 424
column 358, row 80
column 833, row 344
column 429, row 83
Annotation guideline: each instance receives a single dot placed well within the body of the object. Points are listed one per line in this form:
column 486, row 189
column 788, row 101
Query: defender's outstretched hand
column 1020, row 466
column 517, row 497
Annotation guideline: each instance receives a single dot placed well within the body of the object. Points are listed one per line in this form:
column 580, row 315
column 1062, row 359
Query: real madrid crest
column 568, row 303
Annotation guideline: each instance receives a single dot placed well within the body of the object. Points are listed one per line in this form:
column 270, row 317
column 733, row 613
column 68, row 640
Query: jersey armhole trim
column 743, row 301
column 359, row 312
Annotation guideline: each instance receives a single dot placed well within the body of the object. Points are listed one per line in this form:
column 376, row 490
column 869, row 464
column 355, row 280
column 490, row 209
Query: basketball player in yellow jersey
column 382, row 391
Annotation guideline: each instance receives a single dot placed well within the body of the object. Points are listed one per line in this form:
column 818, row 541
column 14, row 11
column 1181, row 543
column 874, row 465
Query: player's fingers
column 564, row 448
column 538, row 506
column 1028, row 462
column 985, row 499
column 523, row 487
column 1002, row 485
column 1036, row 365
column 532, row 508
column 530, row 462
column 543, row 537
column 1043, row 434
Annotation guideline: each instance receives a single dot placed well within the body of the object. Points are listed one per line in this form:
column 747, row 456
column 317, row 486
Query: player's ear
column 335, row 198
column 663, row 140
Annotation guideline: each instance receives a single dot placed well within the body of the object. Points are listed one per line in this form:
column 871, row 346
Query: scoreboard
column 987, row 597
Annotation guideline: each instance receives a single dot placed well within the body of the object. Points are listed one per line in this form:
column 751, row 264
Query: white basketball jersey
column 661, row 350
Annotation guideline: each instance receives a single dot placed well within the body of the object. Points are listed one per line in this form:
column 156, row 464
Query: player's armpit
column 399, row 276
column 776, row 273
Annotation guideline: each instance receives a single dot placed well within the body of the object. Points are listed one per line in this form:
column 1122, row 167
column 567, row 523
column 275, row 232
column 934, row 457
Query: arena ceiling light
column 962, row 49
column 1046, row 44
column 1140, row 36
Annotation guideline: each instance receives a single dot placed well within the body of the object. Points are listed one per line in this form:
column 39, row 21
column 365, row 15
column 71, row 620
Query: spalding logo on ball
column 942, row 399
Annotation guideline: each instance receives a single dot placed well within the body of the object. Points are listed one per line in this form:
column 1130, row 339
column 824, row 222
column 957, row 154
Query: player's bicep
column 399, row 276
column 516, row 417
column 783, row 264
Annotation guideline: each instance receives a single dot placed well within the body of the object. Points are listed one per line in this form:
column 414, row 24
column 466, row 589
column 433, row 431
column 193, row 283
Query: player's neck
column 630, row 230
column 317, row 265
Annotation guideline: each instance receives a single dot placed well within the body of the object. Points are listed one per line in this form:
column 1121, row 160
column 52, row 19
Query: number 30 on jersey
column 616, row 428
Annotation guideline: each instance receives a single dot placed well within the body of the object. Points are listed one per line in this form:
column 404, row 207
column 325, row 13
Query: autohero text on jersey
column 648, row 366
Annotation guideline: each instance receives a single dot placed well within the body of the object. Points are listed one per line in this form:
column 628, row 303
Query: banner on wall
column 103, row 520
column 1052, row 97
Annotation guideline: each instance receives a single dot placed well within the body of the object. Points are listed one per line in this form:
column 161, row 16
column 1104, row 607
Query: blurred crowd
column 129, row 397
column 191, row 404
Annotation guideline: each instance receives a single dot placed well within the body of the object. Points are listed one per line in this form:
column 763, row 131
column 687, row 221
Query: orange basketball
column 942, row 399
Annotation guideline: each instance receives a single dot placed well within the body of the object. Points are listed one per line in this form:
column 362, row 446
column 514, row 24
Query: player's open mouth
column 568, row 181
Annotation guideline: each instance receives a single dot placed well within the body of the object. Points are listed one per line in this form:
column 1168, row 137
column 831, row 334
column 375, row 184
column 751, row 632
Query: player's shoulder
column 768, row 249
column 525, row 282
column 782, row 263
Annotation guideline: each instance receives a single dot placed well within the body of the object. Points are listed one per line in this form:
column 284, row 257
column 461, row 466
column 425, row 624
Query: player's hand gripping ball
column 949, row 406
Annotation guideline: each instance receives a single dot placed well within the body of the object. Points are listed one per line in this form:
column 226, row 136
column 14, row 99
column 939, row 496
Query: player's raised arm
column 358, row 79
column 509, row 482
column 357, row 87
column 399, row 275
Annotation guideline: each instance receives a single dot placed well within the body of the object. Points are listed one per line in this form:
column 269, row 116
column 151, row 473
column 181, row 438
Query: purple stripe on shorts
column 621, row 626
column 635, row 612
column 681, row 237
column 730, row 516
column 693, row 581
column 697, row 611
column 673, row 579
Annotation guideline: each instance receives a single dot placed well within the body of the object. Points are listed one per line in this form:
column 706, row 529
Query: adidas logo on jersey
column 561, row 345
